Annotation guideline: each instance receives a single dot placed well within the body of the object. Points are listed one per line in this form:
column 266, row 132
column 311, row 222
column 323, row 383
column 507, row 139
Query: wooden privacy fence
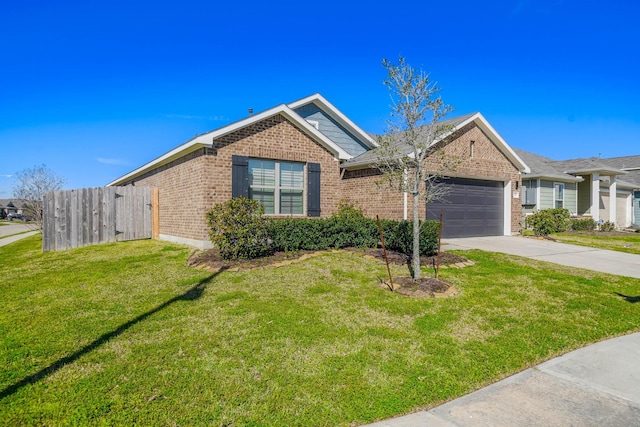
column 88, row 216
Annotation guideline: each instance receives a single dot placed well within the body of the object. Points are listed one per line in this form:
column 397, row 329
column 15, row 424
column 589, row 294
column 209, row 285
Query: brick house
column 302, row 158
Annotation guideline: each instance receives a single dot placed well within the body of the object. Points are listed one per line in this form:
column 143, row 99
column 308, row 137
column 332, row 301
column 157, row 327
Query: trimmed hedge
column 583, row 224
column 240, row 230
column 292, row 234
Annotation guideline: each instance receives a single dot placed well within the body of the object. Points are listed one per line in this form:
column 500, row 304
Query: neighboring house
column 302, row 158
column 583, row 186
column 8, row 206
column 631, row 165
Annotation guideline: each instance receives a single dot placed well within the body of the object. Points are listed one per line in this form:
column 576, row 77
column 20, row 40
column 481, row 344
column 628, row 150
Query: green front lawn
column 126, row 333
column 616, row 241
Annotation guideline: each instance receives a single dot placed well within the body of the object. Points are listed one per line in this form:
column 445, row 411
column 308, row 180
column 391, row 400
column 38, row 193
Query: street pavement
column 12, row 230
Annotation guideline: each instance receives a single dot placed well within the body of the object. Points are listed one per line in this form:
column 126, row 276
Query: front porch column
column 595, row 196
column 612, row 198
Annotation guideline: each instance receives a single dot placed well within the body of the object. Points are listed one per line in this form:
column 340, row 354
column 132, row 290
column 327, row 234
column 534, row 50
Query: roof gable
column 206, row 140
column 456, row 123
column 320, row 102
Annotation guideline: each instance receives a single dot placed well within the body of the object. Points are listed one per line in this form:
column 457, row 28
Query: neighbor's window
column 528, row 191
column 558, row 195
column 278, row 186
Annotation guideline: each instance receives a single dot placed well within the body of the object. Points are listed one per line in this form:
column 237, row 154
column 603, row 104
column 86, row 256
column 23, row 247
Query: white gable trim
column 337, row 115
column 206, row 140
column 495, row 138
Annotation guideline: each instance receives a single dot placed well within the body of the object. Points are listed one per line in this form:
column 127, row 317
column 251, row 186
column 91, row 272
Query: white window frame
column 277, row 188
column 554, row 194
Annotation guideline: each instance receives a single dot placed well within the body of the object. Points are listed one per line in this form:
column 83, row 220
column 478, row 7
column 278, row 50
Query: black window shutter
column 239, row 176
column 313, row 189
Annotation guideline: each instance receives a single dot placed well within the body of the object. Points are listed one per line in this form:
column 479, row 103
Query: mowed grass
column 622, row 242
column 126, row 334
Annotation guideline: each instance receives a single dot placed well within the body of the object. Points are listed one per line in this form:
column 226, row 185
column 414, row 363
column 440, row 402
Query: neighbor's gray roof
column 543, row 167
column 633, row 178
column 630, row 164
column 16, row 203
column 592, row 164
column 624, row 162
column 622, row 183
column 370, row 157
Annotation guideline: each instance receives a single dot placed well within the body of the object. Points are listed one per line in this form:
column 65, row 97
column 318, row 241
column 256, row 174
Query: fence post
column 155, row 213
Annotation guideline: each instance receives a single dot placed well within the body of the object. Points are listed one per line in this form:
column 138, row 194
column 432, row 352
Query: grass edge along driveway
column 126, row 333
column 618, row 241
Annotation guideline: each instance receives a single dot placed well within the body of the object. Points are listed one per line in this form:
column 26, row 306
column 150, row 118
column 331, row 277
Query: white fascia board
column 495, row 137
column 337, row 115
column 295, row 119
column 502, row 144
column 181, row 150
column 206, row 140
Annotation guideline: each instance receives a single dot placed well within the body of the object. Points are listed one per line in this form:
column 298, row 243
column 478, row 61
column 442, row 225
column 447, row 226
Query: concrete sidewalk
column 601, row 260
column 598, row 385
column 12, row 230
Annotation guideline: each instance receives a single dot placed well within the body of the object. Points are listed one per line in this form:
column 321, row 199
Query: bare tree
column 413, row 135
column 31, row 187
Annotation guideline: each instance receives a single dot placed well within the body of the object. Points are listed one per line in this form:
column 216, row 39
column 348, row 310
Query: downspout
column 405, row 215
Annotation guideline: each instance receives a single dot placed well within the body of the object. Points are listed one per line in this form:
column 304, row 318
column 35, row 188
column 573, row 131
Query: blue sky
column 96, row 89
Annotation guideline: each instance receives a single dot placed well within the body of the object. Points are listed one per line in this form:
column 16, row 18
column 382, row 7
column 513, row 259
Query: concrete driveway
column 601, row 260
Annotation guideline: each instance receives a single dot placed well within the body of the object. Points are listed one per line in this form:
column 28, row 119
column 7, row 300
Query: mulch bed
column 211, row 260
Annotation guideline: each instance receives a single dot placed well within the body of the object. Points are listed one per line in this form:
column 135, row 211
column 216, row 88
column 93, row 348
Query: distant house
column 301, row 159
column 603, row 189
column 8, row 206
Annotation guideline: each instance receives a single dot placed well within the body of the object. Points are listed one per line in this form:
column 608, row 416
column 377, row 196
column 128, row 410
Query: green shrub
column 239, row 229
column 583, row 224
column 398, row 236
column 607, row 226
column 293, row 234
column 549, row 221
column 348, row 227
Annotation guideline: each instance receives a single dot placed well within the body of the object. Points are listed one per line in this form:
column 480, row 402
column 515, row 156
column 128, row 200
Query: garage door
column 472, row 208
column 623, row 206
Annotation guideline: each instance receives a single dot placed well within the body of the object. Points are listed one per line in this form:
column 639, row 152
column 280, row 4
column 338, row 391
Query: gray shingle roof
column 625, row 162
column 592, row 164
column 368, row 158
column 633, row 178
column 543, row 167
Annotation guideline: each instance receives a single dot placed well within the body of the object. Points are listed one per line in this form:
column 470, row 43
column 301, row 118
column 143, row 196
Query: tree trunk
column 416, row 235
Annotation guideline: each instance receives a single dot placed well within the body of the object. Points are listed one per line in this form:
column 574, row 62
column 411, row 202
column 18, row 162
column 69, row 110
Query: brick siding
column 191, row 185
